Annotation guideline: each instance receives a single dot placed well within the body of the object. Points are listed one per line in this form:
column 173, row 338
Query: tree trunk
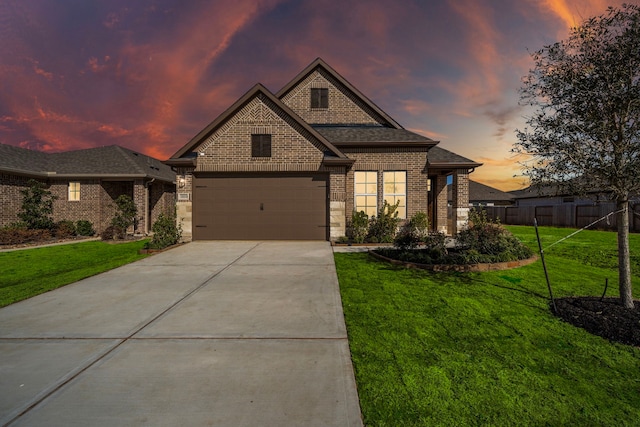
column 624, row 263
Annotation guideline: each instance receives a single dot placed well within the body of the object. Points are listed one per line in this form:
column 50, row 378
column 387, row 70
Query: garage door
column 260, row 207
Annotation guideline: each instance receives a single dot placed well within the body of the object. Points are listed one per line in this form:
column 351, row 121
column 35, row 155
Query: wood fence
column 565, row 215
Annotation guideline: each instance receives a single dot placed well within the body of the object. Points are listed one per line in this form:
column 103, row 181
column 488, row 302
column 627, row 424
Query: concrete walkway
column 209, row 333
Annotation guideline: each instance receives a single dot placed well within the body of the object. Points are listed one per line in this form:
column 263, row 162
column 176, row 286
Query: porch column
column 439, row 186
column 141, row 202
column 460, row 200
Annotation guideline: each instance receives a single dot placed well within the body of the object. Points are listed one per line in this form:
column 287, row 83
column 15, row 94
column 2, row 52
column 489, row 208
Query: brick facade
column 225, row 146
column 343, row 106
column 96, row 202
column 387, row 160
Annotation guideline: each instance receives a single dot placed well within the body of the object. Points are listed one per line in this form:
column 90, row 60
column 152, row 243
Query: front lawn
column 29, row 272
column 483, row 348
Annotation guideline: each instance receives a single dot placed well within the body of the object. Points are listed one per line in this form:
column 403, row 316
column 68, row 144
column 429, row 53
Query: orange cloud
column 573, row 12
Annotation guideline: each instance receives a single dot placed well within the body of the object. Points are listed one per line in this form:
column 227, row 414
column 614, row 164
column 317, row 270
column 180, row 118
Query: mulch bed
column 606, row 318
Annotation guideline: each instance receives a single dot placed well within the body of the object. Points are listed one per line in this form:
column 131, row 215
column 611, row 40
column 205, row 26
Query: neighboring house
column 296, row 164
column 483, row 195
column 86, row 183
column 552, row 195
column 551, row 205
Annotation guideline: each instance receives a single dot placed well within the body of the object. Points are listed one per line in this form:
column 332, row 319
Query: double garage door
column 260, row 207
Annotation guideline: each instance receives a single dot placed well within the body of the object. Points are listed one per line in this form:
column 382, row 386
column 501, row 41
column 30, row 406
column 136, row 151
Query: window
column 74, row 191
column 366, row 192
column 319, row 97
column 395, row 189
column 260, row 145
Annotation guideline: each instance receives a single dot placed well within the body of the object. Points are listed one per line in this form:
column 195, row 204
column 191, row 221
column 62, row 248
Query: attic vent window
column 319, row 97
column 260, row 145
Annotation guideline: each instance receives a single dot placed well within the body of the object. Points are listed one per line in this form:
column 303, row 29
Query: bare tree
column 585, row 129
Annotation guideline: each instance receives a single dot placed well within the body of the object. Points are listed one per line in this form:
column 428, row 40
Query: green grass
column 483, row 348
column 26, row 273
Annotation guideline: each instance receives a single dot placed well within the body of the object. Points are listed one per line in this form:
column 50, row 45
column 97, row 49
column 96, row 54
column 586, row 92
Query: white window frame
column 392, row 196
column 365, row 179
column 74, row 191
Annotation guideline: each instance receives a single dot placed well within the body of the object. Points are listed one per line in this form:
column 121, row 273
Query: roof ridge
column 127, row 156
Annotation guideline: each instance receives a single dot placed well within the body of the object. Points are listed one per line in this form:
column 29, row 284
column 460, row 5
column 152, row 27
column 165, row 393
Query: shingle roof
column 483, row 193
column 438, row 156
column 107, row 161
column 341, row 135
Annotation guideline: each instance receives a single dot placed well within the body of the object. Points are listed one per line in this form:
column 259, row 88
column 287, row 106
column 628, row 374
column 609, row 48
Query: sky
column 150, row 74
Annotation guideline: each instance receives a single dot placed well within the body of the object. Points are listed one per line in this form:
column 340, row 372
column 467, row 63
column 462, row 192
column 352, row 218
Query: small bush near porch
column 484, row 348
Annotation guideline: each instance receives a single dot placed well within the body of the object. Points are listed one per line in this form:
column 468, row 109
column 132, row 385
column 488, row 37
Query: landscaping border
column 466, row 268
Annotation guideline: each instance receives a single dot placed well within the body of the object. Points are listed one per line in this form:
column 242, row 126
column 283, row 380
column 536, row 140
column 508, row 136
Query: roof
column 319, row 64
column 342, row 136
column 257, row 91
column 110, row 161
column 481, row 192
column 440, row 158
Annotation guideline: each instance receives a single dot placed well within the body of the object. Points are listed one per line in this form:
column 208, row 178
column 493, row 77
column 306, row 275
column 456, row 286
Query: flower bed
column 456, row 267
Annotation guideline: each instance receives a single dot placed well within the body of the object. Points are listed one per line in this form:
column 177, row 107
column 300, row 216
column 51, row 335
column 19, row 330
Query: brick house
column 295, row 165
column 86, row 183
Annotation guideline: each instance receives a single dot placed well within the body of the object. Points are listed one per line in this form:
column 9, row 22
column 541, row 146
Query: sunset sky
column 150, row 74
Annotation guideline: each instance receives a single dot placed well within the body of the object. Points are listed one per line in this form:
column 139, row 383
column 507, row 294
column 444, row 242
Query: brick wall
column 96, row 202
column 89, row 207
column 381, row 160
column 10, row 197
column 343, row 106
column 228, row 149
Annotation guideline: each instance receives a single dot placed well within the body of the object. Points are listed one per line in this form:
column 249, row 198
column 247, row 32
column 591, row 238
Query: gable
column 229, row 146
column 346, row 104
column 342, row 107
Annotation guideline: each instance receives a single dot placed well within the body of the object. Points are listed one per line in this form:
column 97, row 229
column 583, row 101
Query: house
column 297, row 163
column 86, row 183
column 481, row 195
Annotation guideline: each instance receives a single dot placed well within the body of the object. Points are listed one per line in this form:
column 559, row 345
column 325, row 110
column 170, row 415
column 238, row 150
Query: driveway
column 209, row 333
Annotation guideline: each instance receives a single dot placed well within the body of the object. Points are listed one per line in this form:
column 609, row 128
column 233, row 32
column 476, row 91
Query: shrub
column 112, row 232
column 125, row 215
column 358, row 226
column 84, row 228
column 487, row 237
column 64, row 229
column 413, row 232
column 37, row 206
column 383, row 228
column 165, row 232
column 11, row 235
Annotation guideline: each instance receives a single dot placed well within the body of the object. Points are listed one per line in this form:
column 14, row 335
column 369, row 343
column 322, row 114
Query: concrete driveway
column 209, row 333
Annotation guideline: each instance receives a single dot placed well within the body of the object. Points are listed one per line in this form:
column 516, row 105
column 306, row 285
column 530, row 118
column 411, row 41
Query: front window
column 74, row 191
column 395, row 190
column 366, row 192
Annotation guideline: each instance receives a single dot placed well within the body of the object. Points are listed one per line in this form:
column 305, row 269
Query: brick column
column 141, row 202
column 439, row 186
column 460, row 202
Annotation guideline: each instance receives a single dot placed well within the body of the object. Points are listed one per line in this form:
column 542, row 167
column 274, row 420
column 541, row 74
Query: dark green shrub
column 383, row 228
column 84, row 228
column 413, row 232
column 165, row 232
column 125, row 215
column 112, row 233
column 37, row 206
column 358, row 227
column 64, row 229
column 487, row 237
